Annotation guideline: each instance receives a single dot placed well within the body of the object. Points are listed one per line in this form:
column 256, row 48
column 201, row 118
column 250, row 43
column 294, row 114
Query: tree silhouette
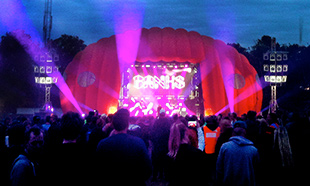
column 16, row 75
column 67, row 47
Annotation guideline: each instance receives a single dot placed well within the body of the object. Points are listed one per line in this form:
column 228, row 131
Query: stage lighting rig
column 275, row 69
column 43, row 71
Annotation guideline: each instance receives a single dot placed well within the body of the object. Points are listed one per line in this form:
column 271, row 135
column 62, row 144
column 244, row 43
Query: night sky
column 238, row 21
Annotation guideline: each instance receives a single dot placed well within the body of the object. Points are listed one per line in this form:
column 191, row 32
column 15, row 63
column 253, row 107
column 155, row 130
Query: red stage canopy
column 229, row 82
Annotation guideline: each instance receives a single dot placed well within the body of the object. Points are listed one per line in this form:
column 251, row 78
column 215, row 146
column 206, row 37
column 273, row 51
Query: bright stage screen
column 159, row 80
column 153, row 85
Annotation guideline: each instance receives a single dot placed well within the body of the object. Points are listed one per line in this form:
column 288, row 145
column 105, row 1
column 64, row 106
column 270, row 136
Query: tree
column 16, row 74
column 67, row 47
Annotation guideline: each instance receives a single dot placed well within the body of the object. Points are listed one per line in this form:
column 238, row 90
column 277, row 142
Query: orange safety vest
column 210, row 139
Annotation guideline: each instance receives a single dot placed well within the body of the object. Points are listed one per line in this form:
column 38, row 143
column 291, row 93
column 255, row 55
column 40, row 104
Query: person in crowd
column 211, row 134
column 36, row 120
column 186, row 161
column 67, row 165
column 238, row 159
column 272, row 120
column 15, row 137
column 96, row 135
column 193, row 124
column 233, row 117
column 282, row 162
column 226, row 133
column 159, row 138
column 47, row 123
column 4, row 163
column 25, row 166
column 252, row 126
column 122, row 159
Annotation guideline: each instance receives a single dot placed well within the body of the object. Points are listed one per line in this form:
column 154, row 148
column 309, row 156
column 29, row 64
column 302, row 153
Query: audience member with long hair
column 185, row 160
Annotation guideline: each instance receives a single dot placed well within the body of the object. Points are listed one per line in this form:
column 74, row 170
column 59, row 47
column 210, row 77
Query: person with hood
column 238, row 159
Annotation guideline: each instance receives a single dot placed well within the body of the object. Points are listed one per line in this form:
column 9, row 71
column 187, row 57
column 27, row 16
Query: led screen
column 159, row 80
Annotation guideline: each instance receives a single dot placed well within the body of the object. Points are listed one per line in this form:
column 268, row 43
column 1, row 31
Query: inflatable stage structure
column 180, row 71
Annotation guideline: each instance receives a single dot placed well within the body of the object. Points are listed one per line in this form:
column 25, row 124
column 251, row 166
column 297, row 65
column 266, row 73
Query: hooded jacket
column 237, row 162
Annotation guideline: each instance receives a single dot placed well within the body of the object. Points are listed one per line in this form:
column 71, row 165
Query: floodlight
column 49, row 58
column 285, row 68
column 267, row 79
column 279, row 57
column 272, row 57
column 37, row 79
column 284, row 78
column 279, row 68
column 55, row 79
column 272, row 79
column 266, row 56
column 49, row 69
column 278, row 79
column 36, row 69
column 42, row 69
column 266, row 68
column 42, row 58
column 272, row 68
column 42, row 80
column 285, row 57
column 48, row 80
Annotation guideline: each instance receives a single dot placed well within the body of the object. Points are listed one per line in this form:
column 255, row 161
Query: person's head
column 233, row 116
column 239, row 128
column 212, row 122
column 100, row 122
column 36, row 120
column 48, row 119
column 71, row 125
column 272, row 118
column 178, row 135
column 121, row 120
column 34, row 142
column 251, row 115
column 53, row 119
column 162, row 113
column 225, row 124
column 219, row 117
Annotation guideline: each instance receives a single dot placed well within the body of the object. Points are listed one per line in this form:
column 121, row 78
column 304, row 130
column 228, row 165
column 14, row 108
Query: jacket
column 23, row 171
column 237, row 162
column 210, row 137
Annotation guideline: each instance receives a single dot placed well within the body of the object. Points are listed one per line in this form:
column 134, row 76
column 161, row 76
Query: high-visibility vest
column 210, row 139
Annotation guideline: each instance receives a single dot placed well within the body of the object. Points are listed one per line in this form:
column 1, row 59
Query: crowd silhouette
column 118, row 149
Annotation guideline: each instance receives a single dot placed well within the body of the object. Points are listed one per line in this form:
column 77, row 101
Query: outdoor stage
column 183, row 72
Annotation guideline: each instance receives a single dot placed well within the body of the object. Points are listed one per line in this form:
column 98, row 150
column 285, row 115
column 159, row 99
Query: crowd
column 118, row 149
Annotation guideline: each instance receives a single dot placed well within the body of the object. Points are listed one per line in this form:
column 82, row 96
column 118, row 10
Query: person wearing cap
column 238, row 159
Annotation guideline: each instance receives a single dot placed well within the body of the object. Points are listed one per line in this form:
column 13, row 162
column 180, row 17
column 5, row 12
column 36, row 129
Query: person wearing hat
column 238, row 159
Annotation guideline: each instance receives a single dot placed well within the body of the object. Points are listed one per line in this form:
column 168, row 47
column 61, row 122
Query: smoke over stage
column 174, row 86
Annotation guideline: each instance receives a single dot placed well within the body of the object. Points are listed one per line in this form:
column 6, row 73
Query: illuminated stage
column 173, row 68
column 174, row 86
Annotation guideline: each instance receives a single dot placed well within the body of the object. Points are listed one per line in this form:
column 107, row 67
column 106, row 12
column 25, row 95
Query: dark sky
column 239, row 21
